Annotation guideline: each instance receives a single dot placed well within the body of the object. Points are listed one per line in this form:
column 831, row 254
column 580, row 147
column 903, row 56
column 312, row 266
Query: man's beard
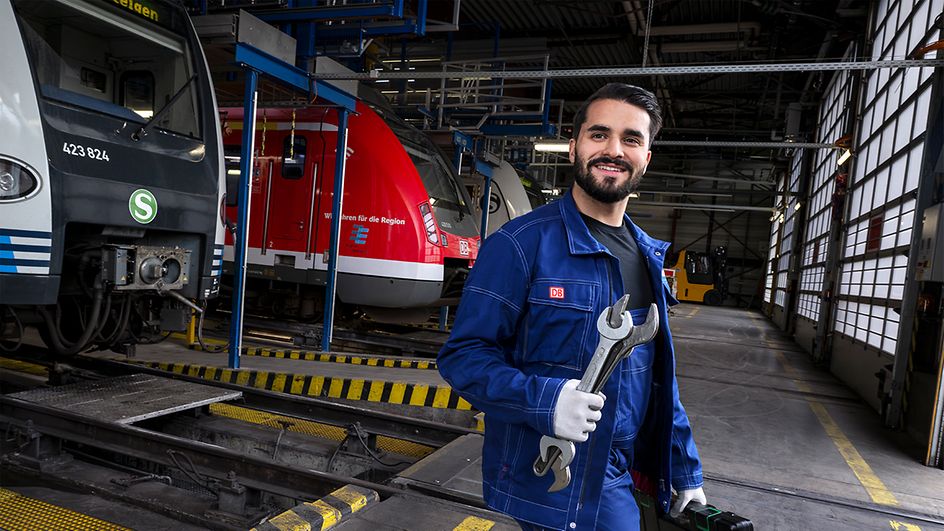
column 603, row 191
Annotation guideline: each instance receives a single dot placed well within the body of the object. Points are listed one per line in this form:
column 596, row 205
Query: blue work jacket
column 525, row 325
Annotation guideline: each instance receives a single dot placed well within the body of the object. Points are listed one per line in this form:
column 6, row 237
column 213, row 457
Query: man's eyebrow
column 599, row 128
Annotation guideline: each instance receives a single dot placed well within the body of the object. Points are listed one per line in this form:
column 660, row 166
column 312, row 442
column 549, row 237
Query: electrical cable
column 192, row 474
column 645, row 44
column 19, row 332
column 212, row 350
column 66, row 348
column 360, row 436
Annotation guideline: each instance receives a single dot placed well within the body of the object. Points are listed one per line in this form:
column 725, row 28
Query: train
column 508, row 197
column 111, row 173
column 408, row 233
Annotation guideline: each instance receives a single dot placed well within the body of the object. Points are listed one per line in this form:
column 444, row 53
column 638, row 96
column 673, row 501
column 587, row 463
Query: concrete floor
column 780, row 438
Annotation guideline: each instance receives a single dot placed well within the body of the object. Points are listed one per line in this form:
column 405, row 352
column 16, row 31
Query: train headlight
column 16, row 181
column 430, row 223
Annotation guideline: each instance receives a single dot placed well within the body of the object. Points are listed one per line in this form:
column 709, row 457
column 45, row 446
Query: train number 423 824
column 88, row 152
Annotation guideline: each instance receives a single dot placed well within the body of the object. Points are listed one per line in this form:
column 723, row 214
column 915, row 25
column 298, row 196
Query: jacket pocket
column 560, row 323
column 634, row 395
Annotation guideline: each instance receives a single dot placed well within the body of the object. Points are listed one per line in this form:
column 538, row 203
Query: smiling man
column 526, row 329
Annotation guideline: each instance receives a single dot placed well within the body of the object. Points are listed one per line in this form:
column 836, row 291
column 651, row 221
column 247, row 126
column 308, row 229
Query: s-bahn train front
column 110, row 171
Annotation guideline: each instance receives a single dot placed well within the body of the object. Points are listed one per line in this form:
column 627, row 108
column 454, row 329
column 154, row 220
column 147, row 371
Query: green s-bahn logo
column 143, row 206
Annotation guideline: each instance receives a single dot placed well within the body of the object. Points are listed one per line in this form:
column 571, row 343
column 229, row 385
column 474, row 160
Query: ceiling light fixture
column 846, row 154
column 553, row 146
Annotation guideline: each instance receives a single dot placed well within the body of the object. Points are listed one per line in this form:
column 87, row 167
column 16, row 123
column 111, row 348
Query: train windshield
column 126, row 59
column 438, row 181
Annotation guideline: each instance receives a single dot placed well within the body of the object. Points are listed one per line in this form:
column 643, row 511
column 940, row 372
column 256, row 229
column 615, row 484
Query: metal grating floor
column 127, row 399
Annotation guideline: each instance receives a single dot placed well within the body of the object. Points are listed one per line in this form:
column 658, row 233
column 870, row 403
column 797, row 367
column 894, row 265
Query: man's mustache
column 610, row 162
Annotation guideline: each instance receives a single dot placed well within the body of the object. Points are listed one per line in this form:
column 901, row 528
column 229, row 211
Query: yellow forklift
column 701, row 277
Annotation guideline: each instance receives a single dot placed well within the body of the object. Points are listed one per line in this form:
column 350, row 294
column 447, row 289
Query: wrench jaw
column 556, row 461
column 617, row 313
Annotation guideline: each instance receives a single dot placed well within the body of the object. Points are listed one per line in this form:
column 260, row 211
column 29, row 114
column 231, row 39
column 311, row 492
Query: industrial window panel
column 831, row 126
column 809, row 306
column 886, row 168
column 870, row 324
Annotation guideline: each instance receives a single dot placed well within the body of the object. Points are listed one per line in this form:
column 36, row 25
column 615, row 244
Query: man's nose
column 613, row 148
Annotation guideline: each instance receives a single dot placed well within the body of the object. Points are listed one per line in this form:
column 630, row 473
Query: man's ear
column 648, row 156
column 573, row 150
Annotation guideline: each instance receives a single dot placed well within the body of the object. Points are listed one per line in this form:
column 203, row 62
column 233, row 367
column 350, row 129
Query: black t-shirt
column 633, row 269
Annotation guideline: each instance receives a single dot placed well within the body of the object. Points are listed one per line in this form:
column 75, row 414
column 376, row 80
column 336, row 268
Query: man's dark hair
column 631, row 94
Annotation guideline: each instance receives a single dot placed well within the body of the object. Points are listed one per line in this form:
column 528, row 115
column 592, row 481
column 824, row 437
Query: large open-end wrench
column 614, row 324
column 641, row 334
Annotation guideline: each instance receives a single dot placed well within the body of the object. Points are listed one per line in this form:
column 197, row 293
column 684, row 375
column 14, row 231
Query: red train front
column 408, row 236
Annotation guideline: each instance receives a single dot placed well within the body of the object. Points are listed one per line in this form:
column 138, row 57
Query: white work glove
column 577, row 413
column 684, row 498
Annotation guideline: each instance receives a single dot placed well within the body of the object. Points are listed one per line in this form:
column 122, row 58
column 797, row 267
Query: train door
column 291, row 206
column 324, row 144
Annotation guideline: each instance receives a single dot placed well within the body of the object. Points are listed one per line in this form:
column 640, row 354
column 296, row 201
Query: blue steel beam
column 410, row 26
column 542, row 130
column 242, row 219
column 291, row 75
column 316, row 13
column 334, row 247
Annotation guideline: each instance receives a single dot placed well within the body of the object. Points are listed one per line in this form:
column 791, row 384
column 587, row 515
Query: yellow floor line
column 902, row 526
column 869, row 480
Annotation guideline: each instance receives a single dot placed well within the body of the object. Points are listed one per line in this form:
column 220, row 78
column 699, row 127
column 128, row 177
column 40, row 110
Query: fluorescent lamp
column 553, row 146
column 413, row 60
column 634, row 195
column 844, row 157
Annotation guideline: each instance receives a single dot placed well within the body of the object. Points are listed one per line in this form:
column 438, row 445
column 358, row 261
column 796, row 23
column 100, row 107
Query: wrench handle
column 597, row 363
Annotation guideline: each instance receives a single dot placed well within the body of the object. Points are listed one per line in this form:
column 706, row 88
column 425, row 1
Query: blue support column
column 336, row 213
column 242, row 219
column 443, row 317
column 486, row 202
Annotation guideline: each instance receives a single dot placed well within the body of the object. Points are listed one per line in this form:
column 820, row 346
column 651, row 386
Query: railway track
column 213, row 454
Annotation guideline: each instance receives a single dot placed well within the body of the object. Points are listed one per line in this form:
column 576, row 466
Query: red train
column 408, row 236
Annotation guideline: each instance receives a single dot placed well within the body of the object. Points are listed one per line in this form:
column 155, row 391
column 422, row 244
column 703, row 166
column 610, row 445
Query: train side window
column 137, row 92
column 293, row 157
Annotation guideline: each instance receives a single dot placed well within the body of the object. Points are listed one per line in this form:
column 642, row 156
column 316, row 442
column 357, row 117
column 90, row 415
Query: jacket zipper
column 590, row 441
column 649, row 266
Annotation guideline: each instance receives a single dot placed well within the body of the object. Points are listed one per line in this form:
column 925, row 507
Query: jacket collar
column 581, row 241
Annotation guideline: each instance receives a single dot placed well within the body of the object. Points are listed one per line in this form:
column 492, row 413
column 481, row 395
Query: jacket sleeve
column 686, row 464
column 477, row 358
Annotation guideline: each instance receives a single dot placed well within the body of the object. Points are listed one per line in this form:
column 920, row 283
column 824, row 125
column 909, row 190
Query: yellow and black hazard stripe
column 324, row 513
column 435, row 396
column 19, row 512
column 371, row 361
column 306, row 355
column 23, row 367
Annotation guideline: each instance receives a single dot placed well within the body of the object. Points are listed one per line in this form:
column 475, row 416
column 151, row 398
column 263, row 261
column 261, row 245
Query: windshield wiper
column 141, row 133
